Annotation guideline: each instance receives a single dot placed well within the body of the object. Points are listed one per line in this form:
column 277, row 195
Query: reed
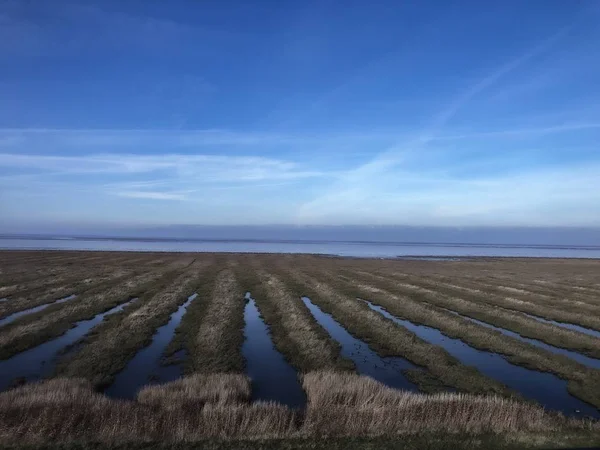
column 340, row 404
column 68, row 410
column 348, row 404
column 197, row 390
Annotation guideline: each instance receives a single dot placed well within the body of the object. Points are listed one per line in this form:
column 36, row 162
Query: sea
column 345, row 248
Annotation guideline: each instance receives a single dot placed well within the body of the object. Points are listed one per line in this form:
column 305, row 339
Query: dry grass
column 63, row 286
column 567, row 284
column 583, row 382
column 388, row 339
column 348, row 404
column 25, row 278
column 68, row 410
column 340, row 404
column 36, row 328
column 216, row 346
column 525, row 326
column 211, row 404
column 560, row 309
column 197, row 390
column 116, row 341
column 295, row 332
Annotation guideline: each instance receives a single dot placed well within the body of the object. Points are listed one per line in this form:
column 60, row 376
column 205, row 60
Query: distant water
column 340, row 248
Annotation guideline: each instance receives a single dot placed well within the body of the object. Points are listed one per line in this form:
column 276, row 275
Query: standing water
column 582, row 359
column 569, row 326
column 272, row 377
column 12, row 317
column 547, row 389
column 387, row 370
column 39, row 362
column 139, row 370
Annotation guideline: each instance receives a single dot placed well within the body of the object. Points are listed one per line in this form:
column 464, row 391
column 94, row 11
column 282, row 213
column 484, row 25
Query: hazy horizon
column 536, row 236
column 303, row 113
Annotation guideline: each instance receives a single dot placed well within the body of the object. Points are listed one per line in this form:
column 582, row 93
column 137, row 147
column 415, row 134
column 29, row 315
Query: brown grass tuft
column 349, row 404
column 216, row 407
column 67, row 410
column 197, row 390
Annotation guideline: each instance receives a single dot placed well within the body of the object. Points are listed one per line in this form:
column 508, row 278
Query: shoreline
column 406, row 258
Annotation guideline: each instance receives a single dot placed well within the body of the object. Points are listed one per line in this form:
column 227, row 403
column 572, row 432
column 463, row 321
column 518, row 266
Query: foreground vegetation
column 203, row 407
column 457, row 407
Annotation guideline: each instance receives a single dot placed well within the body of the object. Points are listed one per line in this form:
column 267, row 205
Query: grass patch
column 388, row 339
column 55, row 320
column 504, row 312
column 583, row 382
column 295, row 333
column 115, row 342
column 344, row 409
column 216, row 345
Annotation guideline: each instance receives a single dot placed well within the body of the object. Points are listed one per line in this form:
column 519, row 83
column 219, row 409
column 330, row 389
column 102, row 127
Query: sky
column 418, row 113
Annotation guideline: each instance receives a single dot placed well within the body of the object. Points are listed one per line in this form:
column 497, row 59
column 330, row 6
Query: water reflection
column 145, row 366
column 570, row 326
column 387, row 370
column 273, row 378
column 547, row 389
column 14, row 316
column 39, row 362
column 582, row 359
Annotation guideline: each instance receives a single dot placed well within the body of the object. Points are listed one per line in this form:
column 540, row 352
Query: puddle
column 387, row 370
column 547, row 389
column 14, row 316
column 273, row 378
column 570, row 326
column 2, row 300
column 171, row 371
column 39, row 362
column 582, row 359
column 145, row 366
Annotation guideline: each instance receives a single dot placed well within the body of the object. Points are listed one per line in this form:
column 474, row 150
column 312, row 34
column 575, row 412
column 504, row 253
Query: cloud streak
column 358, row 183
column 163, row 177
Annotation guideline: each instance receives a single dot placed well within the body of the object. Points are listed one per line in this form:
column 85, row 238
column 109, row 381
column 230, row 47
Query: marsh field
column 297, row 351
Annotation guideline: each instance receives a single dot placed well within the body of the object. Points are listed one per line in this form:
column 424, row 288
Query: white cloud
column 567, row 127
column 78, row 138
column 153, row 195
column 566, row 195
column 203, row 168
column 156, row 177
column 363, row 184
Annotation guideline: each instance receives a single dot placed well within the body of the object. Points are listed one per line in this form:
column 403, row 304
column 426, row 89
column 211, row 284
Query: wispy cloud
column 357, row 185
column 163, row 177
column 207, row 167
column 153, row 195
column 181, row 138
column 552, row 196
column 522, row 131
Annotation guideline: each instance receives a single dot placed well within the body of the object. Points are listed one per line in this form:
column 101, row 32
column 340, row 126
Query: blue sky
column 409, row 113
